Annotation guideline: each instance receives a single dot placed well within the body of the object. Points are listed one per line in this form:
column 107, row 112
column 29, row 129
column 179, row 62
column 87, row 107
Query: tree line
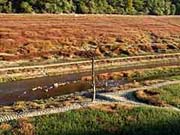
column 124, row 7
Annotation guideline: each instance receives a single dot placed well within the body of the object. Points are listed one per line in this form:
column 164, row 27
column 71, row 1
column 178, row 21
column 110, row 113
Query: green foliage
column 170, row 94
column 159, row 7
column 154, row 74
column 110, row 121
column 3, row 1
column 26, row 7
column 173, row 9
column 177, row 5
column 5, row 6
column 119, row 6
column 129, row 7
column 153, row 7
column 178, row 9
column 139, row 6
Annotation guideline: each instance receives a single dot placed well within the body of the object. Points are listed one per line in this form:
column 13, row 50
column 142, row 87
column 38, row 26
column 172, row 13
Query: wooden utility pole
column 93, row 79
column 92, row 48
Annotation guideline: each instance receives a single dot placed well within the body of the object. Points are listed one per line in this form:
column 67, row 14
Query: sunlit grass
column 108, row 120
column 170, row 94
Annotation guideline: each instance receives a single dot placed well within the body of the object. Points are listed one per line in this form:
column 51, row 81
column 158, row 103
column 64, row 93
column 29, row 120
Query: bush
column 25, row 7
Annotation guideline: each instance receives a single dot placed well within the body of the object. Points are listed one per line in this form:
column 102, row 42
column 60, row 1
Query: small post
column 93, row 79
column 92, row 48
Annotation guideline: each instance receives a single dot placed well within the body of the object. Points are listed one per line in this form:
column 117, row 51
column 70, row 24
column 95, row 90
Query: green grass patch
column 177, row 77
column 170, row 94
column 164, row 73
column 108, row 121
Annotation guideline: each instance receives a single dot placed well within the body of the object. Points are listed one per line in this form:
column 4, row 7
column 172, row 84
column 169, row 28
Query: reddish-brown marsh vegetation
column 28, row 36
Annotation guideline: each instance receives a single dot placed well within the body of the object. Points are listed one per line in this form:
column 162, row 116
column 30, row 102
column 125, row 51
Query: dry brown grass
column 24, row 127
column 5, row 126
column 109, row 76
column 149, row 97
column 29, row 36
column 111, row 108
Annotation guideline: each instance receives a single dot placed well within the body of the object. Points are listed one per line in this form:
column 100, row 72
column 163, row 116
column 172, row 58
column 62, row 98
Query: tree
column 129, row 7
column 5, row 6
column 92, row 7
column 177, row 4
column 159, row 7
column 51, row 8
column 9, row 7
column 81, row 7
column 178, row 9
column 167, row 7
column 119, row 6
column 152, row 7
column 173, row 9
column 139, row 6
column 25, row 7
column 67, row 6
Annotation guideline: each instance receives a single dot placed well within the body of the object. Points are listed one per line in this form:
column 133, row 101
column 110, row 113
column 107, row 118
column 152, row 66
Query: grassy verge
column 170, row 94
column 176, row 77
column 164, row 73
column 102, row 120
column 167, row 95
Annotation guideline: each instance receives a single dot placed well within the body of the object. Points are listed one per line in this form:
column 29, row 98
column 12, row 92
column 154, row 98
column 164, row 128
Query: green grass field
column 105, row 120
column 170, row 94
